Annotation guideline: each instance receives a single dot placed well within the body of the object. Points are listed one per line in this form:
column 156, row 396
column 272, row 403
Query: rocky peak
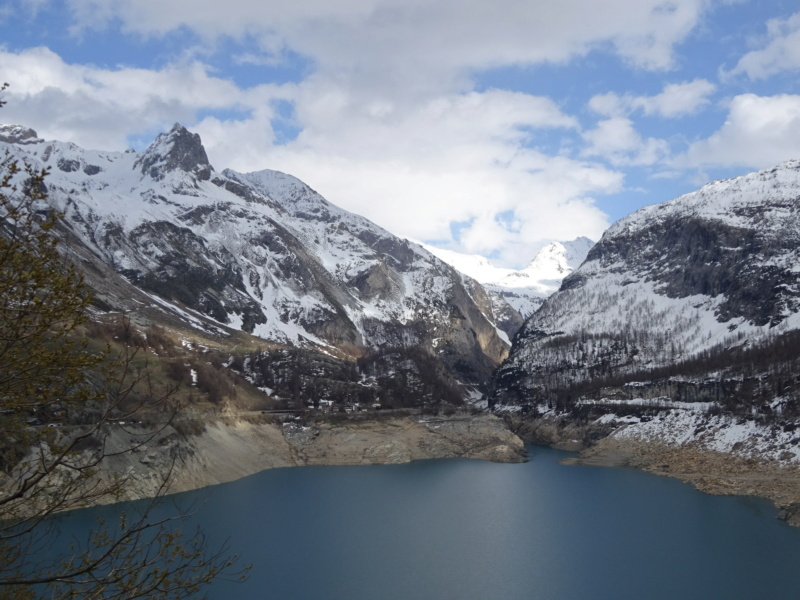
column 179, row 149
column 17, row 134
column 559, row 258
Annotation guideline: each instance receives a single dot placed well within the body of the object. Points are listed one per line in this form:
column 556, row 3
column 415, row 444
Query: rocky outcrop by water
column 710, row 472
column 605, row 443
column 203, row 453
column 675, row 346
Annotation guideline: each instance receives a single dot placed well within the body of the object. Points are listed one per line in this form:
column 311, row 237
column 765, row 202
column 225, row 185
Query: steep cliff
column 165, row 237
column 681, row 327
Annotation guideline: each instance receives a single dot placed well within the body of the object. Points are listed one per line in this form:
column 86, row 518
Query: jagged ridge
column 259, row 252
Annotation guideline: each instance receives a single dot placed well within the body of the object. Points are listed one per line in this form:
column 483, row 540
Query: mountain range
column 524, row 289
column 166, row 238
column 687, row 310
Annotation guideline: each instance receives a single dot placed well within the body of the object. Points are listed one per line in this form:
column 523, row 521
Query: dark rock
column 177, row 150
column 68, row 165
column 17, row 134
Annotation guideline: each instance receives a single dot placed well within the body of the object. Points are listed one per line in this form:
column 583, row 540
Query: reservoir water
column 463, row 530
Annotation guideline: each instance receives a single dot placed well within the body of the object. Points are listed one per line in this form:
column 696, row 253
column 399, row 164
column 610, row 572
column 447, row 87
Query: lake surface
column 463, row 530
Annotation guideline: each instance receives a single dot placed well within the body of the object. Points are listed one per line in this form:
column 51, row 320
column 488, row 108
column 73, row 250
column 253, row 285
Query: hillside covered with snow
column 524, row 289
column 261, row 253
column 691, row 305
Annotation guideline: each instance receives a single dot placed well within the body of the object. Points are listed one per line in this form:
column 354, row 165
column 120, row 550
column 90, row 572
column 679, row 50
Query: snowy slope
column 524, row 289
column 472, row 265
column 260, row 252
column 679, row 283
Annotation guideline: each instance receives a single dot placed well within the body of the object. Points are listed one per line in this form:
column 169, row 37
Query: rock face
column 231, row 448
column 400, row 440
column 177, row 150
column 681, row 328
column 258, row 252
column 16, row 134
column 709, row 274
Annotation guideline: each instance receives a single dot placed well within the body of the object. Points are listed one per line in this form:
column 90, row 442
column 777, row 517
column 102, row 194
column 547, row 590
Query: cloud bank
column 388, row 117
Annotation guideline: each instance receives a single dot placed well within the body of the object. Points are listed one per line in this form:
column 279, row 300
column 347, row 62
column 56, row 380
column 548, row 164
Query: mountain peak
column 178, row 149
column 17, row 134
column 525, row 289
column 558, row 259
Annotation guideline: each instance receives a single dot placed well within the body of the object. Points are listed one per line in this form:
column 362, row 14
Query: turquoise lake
column 463, row 530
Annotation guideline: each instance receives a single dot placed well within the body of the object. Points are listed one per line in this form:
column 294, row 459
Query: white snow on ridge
column 472, row 265
column 730, row 200
column 722, row 433
column 524, row 289
column 264, row 223
column 544, row 273
column 618, row 296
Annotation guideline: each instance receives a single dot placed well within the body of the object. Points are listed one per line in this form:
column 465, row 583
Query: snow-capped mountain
column 258, row 252
column 695, row 299
column 524, row 289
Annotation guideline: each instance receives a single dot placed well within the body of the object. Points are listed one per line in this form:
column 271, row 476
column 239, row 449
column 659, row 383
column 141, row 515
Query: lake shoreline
column 221, row 450
column 472, row 529
column 710, row 471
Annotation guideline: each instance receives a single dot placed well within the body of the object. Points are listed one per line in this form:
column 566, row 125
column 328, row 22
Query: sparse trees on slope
column 49, row 371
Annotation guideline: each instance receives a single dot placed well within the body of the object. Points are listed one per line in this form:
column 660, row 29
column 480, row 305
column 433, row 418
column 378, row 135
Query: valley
column 399, row 300
column 291, row 332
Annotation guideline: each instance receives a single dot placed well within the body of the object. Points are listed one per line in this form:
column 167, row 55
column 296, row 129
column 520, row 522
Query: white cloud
column 676, row 99
column 781, row 52
column 458, row 158
column 413, row 168
column 617, row 141
column 388, row 124
column 610, row 104
column 389, row 40
column 101, row 108
column 759, row 132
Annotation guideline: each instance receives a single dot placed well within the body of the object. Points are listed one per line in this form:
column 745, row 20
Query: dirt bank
column 711, row 472
column 609, row 444
column 226, row 449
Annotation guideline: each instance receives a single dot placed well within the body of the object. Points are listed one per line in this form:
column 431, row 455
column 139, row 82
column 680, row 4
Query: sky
column 483, row 127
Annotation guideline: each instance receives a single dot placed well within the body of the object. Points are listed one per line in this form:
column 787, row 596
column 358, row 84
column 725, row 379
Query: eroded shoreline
column 227, row 449
column 709, row 471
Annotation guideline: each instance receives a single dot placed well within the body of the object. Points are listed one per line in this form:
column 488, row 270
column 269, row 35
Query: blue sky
column 482, row 129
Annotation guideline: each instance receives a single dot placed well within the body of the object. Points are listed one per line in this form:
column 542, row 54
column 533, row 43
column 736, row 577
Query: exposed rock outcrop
column 221, row 450
column 257, row 252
